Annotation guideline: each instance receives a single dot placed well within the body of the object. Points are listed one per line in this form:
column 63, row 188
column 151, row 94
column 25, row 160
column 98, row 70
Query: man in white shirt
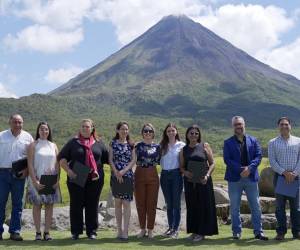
column 284, row 156
column 13, row 147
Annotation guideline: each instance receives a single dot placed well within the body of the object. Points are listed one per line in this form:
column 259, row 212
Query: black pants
column 86, row 198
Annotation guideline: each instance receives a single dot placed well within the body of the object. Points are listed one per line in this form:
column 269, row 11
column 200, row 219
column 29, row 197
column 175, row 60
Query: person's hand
column 118, row 175
column 204, row 180
column 122, row 172
column 55, row 186
column 289, row 176
column 23, row 174
column 71, row 174
column 245, row 172
column 188, row 174
column 38, row 186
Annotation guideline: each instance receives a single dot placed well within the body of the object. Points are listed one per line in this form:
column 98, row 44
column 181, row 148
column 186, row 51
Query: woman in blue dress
column 121, row 160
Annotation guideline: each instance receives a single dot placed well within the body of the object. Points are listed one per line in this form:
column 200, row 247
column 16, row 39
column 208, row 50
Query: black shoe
column 38, row 236
column 15, row 237
column 261, row 236
column 236, row 236
column 75, row 236
column 296, row 236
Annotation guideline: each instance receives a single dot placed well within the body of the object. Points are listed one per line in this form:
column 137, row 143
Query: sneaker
column 38, row 236
column 261, row 236
column 198, row 238
column 92, row 236
column 15, row 237
column 236, row 236
column 46, row 236
column 174, row 234
column 168, row 232
column 150, row 234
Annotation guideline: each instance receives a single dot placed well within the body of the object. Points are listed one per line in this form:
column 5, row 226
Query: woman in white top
column 42, row 160
column 171, row 180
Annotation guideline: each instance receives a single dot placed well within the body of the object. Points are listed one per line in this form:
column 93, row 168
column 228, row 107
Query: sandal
column 38, row 236
column 47, row 236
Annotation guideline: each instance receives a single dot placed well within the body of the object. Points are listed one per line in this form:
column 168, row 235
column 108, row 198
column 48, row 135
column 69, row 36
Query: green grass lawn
column 106, row 240
column 218, row 177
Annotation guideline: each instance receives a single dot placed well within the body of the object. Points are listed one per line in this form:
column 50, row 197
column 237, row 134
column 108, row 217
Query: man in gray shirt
column 284, row 156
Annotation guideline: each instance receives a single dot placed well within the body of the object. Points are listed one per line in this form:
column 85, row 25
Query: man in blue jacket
column 242, row 156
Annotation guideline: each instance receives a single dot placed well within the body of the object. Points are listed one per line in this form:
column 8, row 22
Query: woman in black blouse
column 89, row 150
column 201, row 218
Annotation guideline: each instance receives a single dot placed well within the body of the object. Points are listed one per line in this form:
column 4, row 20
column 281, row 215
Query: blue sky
column 45, row 43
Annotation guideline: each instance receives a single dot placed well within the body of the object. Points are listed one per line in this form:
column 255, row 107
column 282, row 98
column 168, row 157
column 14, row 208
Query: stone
column 265, row 184
column 268, row 221
column 221, row 195
column 267, row 204
column 223, row 211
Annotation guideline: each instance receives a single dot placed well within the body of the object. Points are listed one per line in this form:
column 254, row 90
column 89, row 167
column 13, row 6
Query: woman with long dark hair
column 171, row 179
column 88, row 149
column 121, row 160
column 200, row 201
column 42, row 154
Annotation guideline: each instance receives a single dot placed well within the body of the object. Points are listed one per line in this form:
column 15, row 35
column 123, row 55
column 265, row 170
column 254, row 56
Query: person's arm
column 184, row 172
column 30, row 158
column 57, row 168
column 131, row 164
column 296, row 171
column 210, row 159
column 273, row 161
column 112, row 165
column 64, row 157
column 233, row 165
column 257, row 158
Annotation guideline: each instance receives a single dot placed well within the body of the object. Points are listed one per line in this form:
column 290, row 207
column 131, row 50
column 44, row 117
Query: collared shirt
column 243, row 150
column 13, row 148
column 170, row 160
column 284, row 155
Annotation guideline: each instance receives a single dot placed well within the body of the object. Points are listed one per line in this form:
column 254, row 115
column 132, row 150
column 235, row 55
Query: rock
column 267, row 204
column 265, row 184
column 161, row 201
column 221, row 195
column 110, row 200
column 268, row 221
column 5, row 227
column 223, row 211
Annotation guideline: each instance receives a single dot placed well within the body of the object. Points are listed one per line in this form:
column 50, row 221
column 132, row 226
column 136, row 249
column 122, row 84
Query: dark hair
column 188, row 130
column 165, row 139
column 283, row 118
column 37, row 136
column 117, row 136
column 148, row 125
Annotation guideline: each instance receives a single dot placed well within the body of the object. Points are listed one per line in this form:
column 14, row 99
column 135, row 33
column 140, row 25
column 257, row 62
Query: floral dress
column 122, row 156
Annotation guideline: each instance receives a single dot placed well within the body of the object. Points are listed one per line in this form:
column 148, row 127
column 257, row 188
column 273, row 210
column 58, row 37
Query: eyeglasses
column 237, row 124
column 194, row 133
column 145, row 131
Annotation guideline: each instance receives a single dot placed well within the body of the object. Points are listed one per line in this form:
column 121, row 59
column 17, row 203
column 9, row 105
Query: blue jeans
column 10, row 184
column 235, row 190
column 281, row 214
column 172, row 184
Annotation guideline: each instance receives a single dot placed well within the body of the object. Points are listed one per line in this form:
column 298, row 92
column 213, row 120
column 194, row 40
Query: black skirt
column 201, row 215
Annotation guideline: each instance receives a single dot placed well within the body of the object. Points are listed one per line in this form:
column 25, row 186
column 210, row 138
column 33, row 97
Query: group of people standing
column 136, row 164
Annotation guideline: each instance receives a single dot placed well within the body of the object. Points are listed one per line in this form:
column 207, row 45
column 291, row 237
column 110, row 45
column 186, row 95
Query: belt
column 171, row 170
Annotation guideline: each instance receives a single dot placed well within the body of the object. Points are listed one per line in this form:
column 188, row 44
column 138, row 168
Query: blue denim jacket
column 232, row 158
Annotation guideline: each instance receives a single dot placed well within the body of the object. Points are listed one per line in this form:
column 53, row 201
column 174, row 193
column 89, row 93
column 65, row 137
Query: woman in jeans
column 171, row 179
column 146, row 180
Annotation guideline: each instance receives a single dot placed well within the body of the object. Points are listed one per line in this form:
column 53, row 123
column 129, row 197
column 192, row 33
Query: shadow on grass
column 158, row 241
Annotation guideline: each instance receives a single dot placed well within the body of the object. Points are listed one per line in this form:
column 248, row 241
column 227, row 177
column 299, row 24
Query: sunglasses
column 145, row 131
column 194, row 133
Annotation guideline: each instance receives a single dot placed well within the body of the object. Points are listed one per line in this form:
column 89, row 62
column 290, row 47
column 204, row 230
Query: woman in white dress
column 42, row 160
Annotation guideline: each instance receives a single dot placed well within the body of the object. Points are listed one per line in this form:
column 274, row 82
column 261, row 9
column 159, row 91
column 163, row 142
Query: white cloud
column 284, row 58
column 249, row 27
column 43, row 39
column 58, row 14
column 133, row 17
column 6, row 93
column 62, row 75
